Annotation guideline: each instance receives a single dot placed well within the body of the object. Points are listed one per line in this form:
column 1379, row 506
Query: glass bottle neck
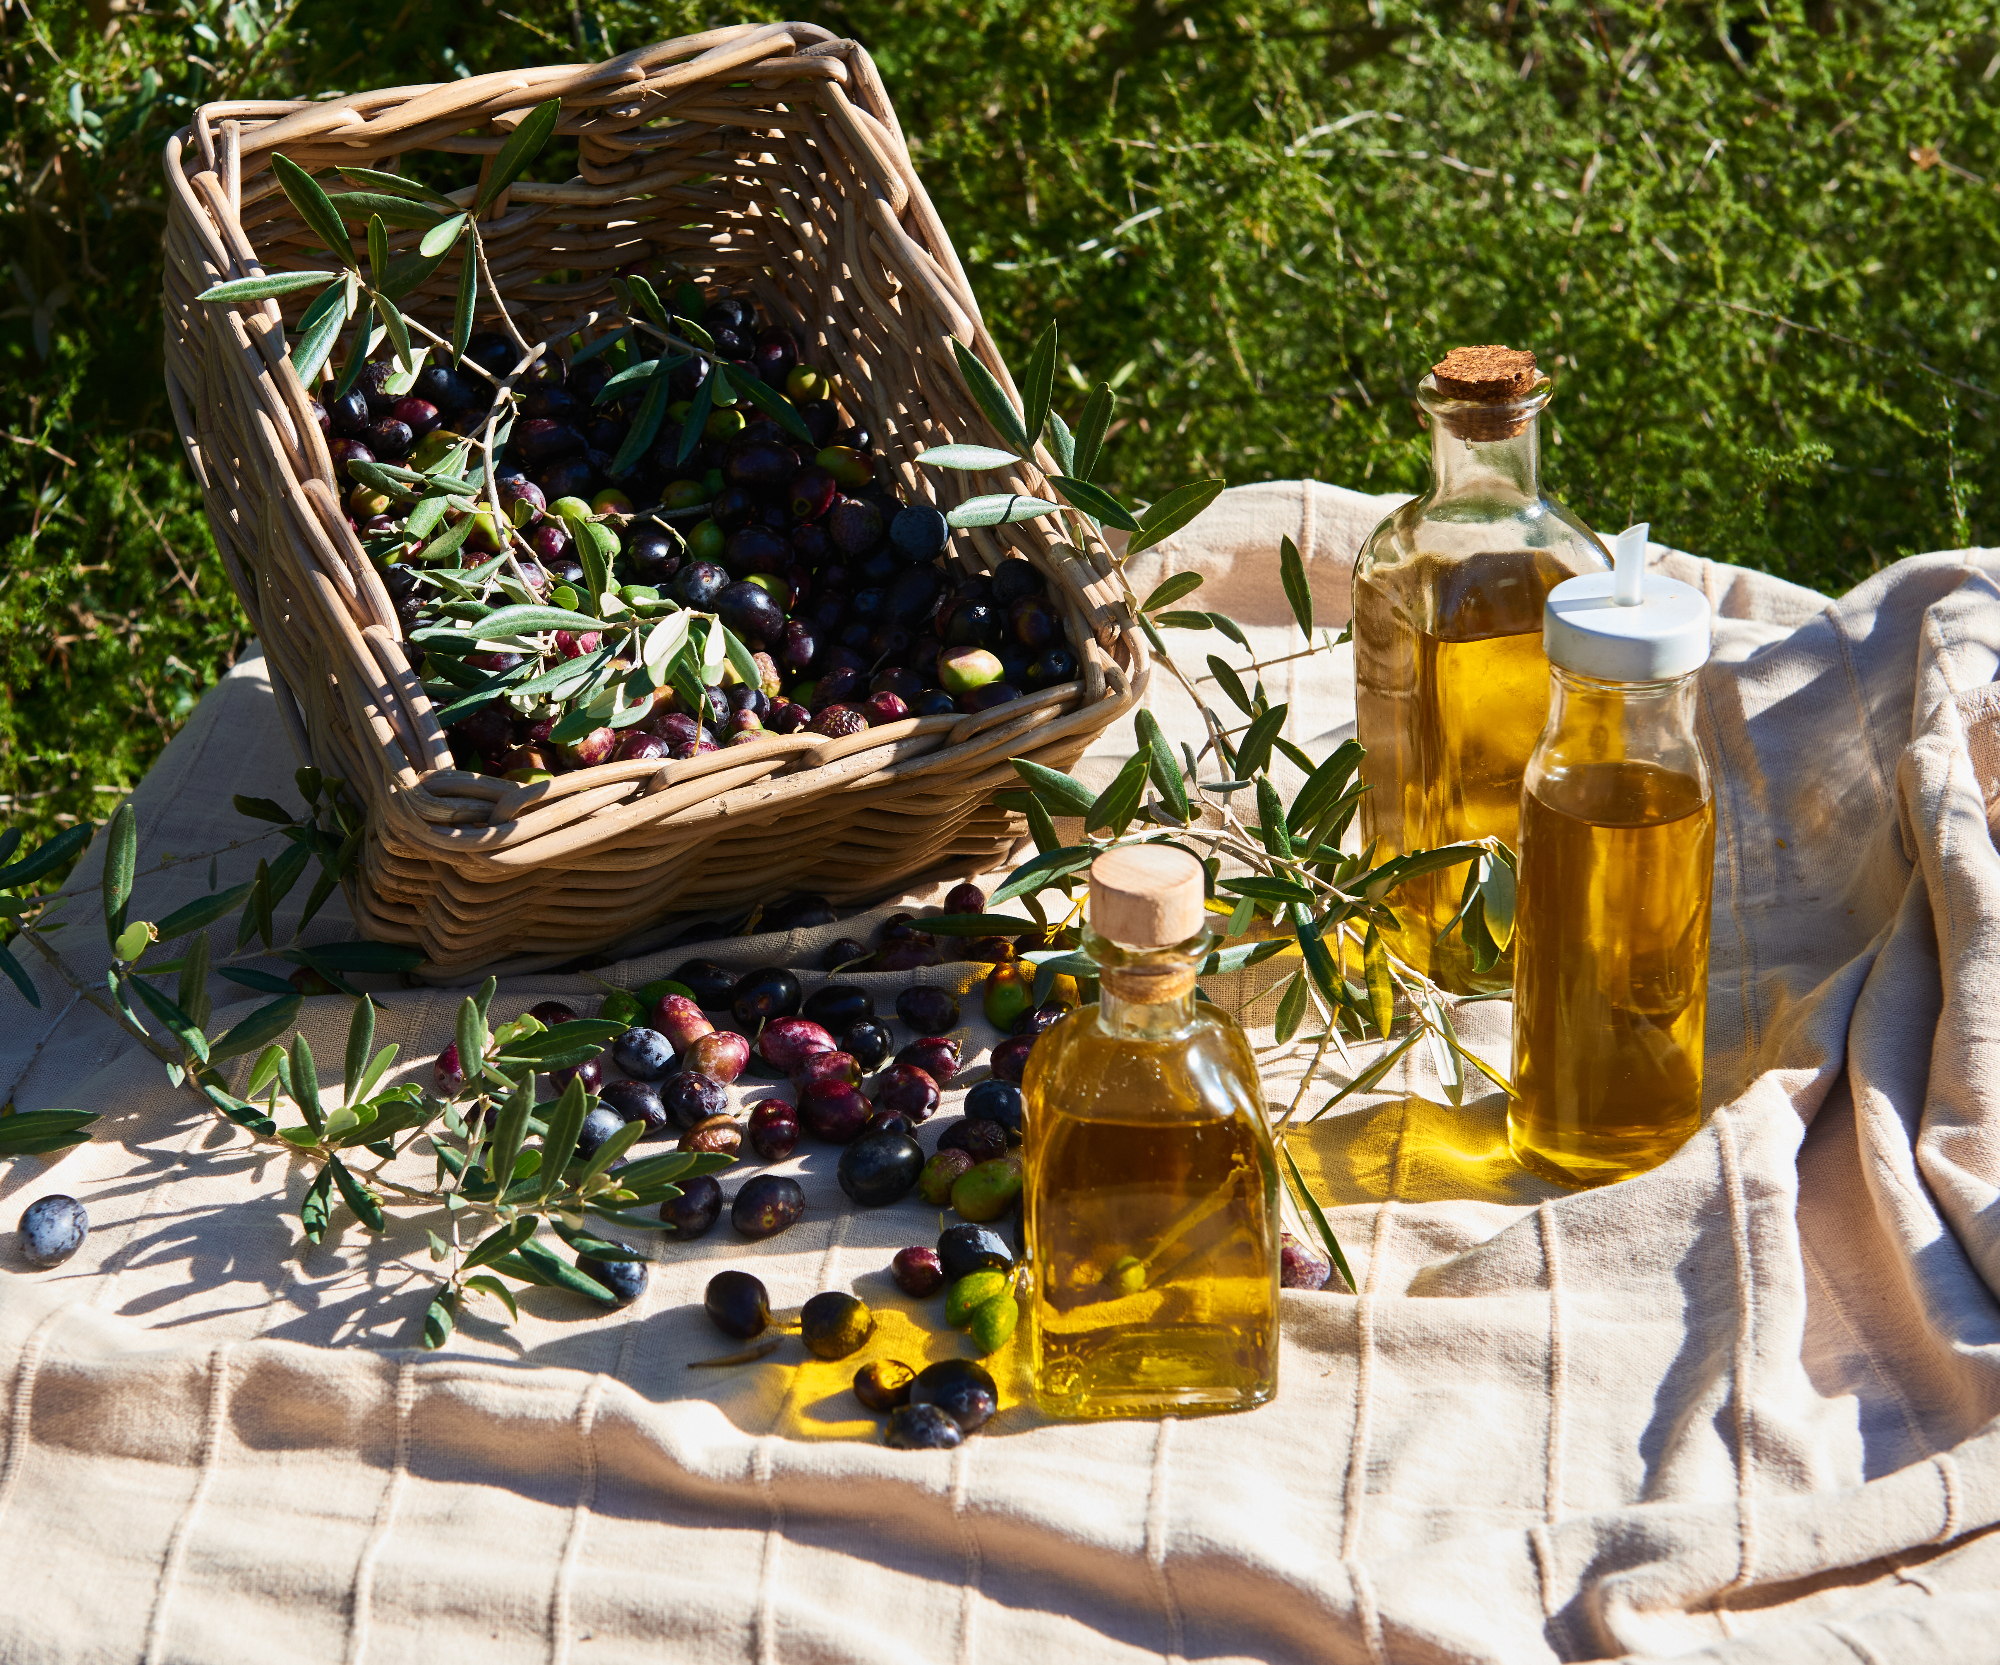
column 1586, row 701
column 1145, row 994
column 1473, row 457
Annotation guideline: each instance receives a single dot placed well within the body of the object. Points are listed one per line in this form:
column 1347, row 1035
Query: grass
column 1756, row 245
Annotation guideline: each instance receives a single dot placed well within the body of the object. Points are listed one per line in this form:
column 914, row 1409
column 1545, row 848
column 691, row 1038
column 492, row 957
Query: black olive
column 709, row 983
column 868, row 1041
column 694, row 1212
column 981, row 1140
column 880, row 1168
column 997, row 1101
column 626, row 1279
column 768, row 992
column 839, row 1006
column 883, row 1384
column 737, row 1304
column 963, row 1250
column 922, row 1428
column 964, row 1391
column 767, row 1205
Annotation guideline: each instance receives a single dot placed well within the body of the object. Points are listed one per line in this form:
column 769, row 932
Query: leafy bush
column 1758, row 253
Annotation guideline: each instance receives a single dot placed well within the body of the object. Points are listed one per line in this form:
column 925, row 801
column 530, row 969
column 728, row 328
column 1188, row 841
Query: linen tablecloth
column 1739, row 1409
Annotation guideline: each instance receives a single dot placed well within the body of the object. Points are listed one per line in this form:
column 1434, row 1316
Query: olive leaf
column 1320, row 1223
column 56, row 853
column 1170, row 590
column 997, row 509
column 319, row 328
column 1090, row 430
column 468, row 302
column 263, row 287
column 1172, row 512
column 442, row 236
column 1096, row 502
column 523, row 145
column 1292, row 572
column 319, row 214
column 1038, row 385
column 966, row 458
column 988, row 395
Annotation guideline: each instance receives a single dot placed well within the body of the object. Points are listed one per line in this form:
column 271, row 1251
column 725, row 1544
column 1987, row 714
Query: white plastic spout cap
column 1627, row 625
column 1628, row 558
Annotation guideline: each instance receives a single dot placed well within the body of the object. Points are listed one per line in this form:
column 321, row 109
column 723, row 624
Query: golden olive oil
column 1451, row 694
column 1611, row 982
column 1151, row 1225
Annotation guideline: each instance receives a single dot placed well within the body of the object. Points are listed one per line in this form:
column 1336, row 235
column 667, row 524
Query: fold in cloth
column 1739, row 1409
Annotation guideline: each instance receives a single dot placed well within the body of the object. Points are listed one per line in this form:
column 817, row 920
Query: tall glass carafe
column 1451, row 683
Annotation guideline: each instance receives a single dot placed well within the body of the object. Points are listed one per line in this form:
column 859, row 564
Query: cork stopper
column 1146, row 896
column 1486, row 375
column 1489, row 389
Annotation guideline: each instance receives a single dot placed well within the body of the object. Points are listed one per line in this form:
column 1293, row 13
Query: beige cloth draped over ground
column 1740, row 1409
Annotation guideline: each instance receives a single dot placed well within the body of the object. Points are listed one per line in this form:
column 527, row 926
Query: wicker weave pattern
column 765, row 157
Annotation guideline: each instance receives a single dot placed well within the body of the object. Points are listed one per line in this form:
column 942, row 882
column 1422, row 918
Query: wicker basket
column 766, row 157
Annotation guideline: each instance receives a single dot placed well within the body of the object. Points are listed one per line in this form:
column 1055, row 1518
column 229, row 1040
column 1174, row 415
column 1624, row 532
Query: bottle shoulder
column 1206, row 1069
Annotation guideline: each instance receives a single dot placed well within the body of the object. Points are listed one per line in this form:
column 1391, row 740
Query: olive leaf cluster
column 643, row 641
column 506, row 1163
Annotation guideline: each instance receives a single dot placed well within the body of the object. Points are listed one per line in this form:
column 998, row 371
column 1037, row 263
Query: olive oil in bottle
column 1152, row 1185
column 1612, row 911
column 1451, row 681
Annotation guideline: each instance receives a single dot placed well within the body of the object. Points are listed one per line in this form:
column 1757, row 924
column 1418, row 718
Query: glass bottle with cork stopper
column 1152, row 1185
column 1451, row 685
column 1617, row 863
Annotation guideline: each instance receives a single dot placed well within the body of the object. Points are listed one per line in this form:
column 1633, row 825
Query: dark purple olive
column 1010, row 1058
column 711, row 985
column 922, row 1428
column 692, row 1098
column 841, row 953
column 839, row 1006
column 878, row 709
column 999, row 1102
column 767, row 1205
column 787, row 718
column 730, row 312
column 838, row 722
column 788, row 1043
column 1300, row 1265
column 821, row 419
column 888, row 1121
column 555, row 404
column 919, row 533
column 444, row 387
column 899, row 680
column 549, row 1013
column 348, row 451
column 964, row 1391
column 868, row 1041
column 854, row 526
column 373, row 384
column 733, row 509
column 540, row 440
column 567, row 477
column 737, row 1304
column 774, row 1129
column 1039, row 1020
column 833, row 1112
column 698, row 583
column 776, row 356
column 1053, row 665
column 348, row 415
column 912, row 954
column 491, row 351
column 590, row 1072
column 908, row 1091
column 643, row 1054
column 554, row 548
column 768, row 992
column 883, row 1385
column 694, row 1212
column 972, row 624
column 880, row 1168
column 936, row 1055
column 598, row 1127
column 981, row 1140
column 917, row 1271
column 985, row 699
column 810, row 494
column 927, row 1009
column 640, row 747
column 756, row 549
column 965, row 1249
column 1013, row 579
column 934, row 702
column 651, row 555
column 1034, row 622
column 761, row 465
column 625, row 1279
column 912, row 593
column 749, row 610
column 420, row 416
column 447, row 1074
column 636, row 1101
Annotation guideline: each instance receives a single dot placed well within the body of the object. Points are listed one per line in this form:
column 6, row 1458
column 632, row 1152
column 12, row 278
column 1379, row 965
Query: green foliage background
column 1756, row 244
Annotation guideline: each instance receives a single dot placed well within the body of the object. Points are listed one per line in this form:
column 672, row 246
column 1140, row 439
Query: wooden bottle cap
column 1488, row 375
column 1146, row 896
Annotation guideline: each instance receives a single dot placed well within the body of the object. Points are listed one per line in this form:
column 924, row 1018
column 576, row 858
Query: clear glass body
column 1451, row 684
column 1152, row 1202
column 1611, row 932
